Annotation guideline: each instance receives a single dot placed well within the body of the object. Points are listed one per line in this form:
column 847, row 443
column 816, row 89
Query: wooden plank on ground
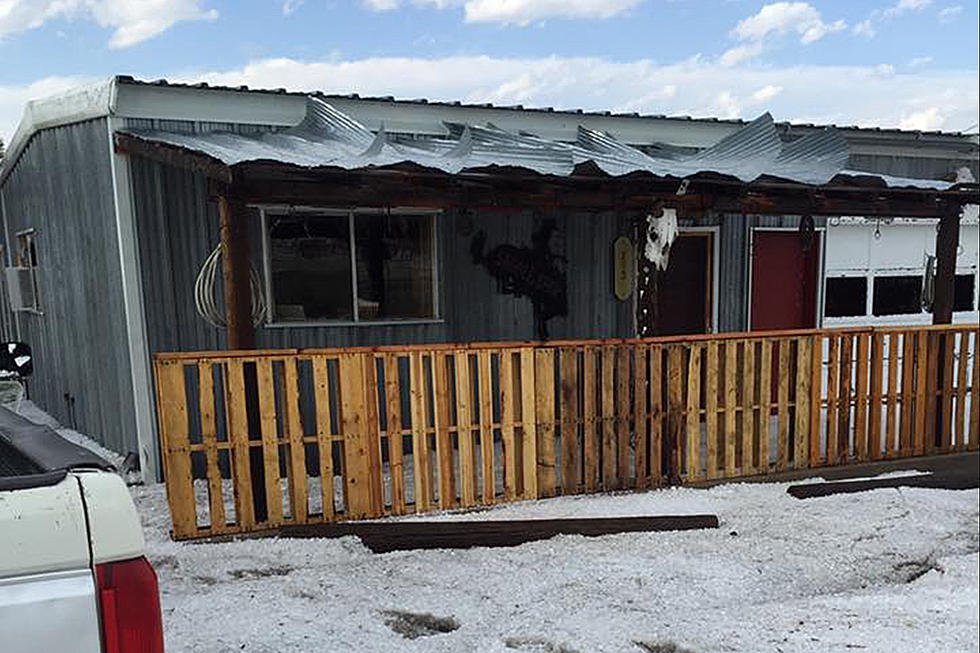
column 922, row 398
column 270, row 439
column 489, row 475
column 765, row 403
column 891, row 407
column 711, row 407
column 444, row 442
column 877, row 370
column 833, row 378
column 961, row 426
column 591, row 442
column 675, row 410
column 782, row 401
column 641, row 428
column 209, row 435
column 529, row 426
column 801, row 427
column 570, row 458
column 544, row 410
column 861, row 402
column 238, row 439
column 655, row 369
column 464, row 430
column 749, row 447
column 393, row 419
column 731, row 399
column 693, row 430
column 623, row 429
column 507, row 418
column 175, row 430
column 608, row 394
column 298, row 488
column 421, row 468
column 324, row 434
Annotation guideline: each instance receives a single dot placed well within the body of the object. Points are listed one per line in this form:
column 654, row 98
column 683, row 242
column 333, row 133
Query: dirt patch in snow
column 252, row 574
column 662, row 647
column 412, row 625
column 536, row 645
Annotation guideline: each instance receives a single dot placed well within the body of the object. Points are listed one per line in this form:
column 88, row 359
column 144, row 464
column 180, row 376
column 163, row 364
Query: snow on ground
column 888, row 570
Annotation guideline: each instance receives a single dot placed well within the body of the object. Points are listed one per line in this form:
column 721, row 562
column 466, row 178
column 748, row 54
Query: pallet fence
column 256, row 440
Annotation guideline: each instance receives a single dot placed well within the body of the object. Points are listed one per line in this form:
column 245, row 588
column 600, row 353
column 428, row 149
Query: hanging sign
column 624, row 268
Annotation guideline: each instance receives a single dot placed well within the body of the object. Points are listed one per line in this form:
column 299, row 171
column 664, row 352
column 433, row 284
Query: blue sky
column 910, row 63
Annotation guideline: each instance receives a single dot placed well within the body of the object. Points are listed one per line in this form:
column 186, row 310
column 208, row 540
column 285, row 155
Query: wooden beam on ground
column 408, row 535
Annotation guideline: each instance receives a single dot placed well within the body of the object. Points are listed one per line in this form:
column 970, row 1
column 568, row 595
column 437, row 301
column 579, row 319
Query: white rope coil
column 207, row 306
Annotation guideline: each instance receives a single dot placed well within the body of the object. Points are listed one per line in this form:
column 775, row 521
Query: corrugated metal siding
column 918, row 167
column 62, row 187
column 732, row 272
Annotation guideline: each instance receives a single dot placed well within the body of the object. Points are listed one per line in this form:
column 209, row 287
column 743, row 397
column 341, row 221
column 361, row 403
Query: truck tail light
column 130, row 606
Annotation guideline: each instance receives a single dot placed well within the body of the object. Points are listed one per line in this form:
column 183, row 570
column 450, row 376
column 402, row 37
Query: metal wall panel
column 906, row 166
column 62, row 188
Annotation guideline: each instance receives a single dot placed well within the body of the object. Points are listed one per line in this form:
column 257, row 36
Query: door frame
column 714, row 232
column 820, row 233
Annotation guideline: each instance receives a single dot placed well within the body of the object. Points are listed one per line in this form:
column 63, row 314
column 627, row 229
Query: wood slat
column 507, row 414
column 833, row 379
column 353, row 428
column 609, row 479
column 270, row 439
column 949, row 341
column 801, row 414
column 623, row 429
column 641, row 428
column 891, row 408
column 530, row 435
column 238, row 438
column 175, row 430
column 711, row 407
column 444, row 442
column 846, row 386
column 570, row 458
column 875, row 397
column 209, row 435
column 919, row 437
column 655, row 369
column 675, row 410
column 731, row 401
column 765, row 403
column 749, row 448
column 464, row 430
column 590, row 440
column 544, row 402
column 782, row 401
column 421, row 467
column 932, row 393
column 693, row 430
column 393, row 418
column 861, row 401
column 961, row 426
column 906, row 428
column 975, row 394
column 324, row 435
column 816, row 399
column 487, row 453
column 372, row 403
column 298, row 487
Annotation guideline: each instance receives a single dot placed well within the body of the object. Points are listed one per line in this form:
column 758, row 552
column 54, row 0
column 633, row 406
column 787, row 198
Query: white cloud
column 905, row 6
column 920, row 61
column 741, row 53
column 784, row 17
column 949, row 14
column 766, row 93
column 926, row 120
column 132, row 21
column 290, row 6
column 865, row 28
column 518, row 12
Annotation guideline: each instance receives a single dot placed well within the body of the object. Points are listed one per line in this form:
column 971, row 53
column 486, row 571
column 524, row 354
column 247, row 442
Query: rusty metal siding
column 62, row 187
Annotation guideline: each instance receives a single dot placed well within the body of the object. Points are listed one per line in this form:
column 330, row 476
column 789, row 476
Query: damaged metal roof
column 329, row 138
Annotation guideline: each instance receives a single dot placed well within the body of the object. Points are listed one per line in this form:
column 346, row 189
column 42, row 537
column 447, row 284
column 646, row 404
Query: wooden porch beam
column 235, row 272
column 947, row 243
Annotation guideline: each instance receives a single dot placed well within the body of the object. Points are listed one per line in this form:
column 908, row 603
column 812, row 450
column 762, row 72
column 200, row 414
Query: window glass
column 897, row 295
column 963, row 292
column 309, row 261
column 394, row 266
column 846, row 296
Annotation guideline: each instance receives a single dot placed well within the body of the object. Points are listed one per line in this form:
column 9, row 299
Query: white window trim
column 35, row 283
column 266, row 209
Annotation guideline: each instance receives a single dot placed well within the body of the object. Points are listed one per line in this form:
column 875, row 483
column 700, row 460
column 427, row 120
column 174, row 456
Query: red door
column 784, row 281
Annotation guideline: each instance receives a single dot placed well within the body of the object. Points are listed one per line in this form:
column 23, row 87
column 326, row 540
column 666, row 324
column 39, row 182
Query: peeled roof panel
column 329, row 138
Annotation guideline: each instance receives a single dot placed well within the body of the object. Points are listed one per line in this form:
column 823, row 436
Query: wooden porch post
column 947, row 242
column 234, row 269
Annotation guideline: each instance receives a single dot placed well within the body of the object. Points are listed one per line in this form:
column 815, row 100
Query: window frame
column 266, row 210
column 28, row 237
column 868, row 289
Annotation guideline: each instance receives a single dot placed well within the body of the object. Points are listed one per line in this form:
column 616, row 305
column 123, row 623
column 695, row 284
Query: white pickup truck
column 73, row 576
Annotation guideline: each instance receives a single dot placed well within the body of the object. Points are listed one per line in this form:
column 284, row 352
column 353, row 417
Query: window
column 846, row 296
column 21, row 279
column 963, row 292
column 897, row 295
column 317, row 263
